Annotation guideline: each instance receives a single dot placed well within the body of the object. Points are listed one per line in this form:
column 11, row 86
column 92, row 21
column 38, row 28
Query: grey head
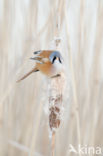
column 54, row 56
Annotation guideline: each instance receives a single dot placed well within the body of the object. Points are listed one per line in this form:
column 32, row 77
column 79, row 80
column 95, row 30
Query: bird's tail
column 26, row 75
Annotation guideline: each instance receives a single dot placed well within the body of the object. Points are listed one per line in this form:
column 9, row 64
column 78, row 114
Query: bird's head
column 55, row 56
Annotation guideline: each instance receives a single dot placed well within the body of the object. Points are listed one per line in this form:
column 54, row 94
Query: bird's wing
column 27, row 74
column 37, row 59
column 40, row 60
column 37, row 52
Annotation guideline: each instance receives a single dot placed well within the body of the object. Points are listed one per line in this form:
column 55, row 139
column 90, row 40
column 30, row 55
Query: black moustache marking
column 53, row 59
column 60, row 60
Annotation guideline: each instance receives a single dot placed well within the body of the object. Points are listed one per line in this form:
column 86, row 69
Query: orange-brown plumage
column 45, row 67
column 45, row 53
column 47, row 61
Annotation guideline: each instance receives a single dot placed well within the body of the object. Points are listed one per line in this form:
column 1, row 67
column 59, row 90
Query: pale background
column 29, row 25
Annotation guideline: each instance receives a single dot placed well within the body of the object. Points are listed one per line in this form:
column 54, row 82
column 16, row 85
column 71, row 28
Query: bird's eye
column 54, row 59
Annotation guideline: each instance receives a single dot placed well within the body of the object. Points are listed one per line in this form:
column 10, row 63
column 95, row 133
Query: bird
column 48, row 62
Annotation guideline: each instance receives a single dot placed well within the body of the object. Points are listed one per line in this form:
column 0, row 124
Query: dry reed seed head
column 55, row 100
column 56, row 95
column 54, row 120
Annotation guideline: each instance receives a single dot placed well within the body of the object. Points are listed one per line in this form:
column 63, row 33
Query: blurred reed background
column 29, row 25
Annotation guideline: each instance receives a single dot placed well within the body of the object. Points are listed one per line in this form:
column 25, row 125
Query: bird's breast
column 50, row 69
